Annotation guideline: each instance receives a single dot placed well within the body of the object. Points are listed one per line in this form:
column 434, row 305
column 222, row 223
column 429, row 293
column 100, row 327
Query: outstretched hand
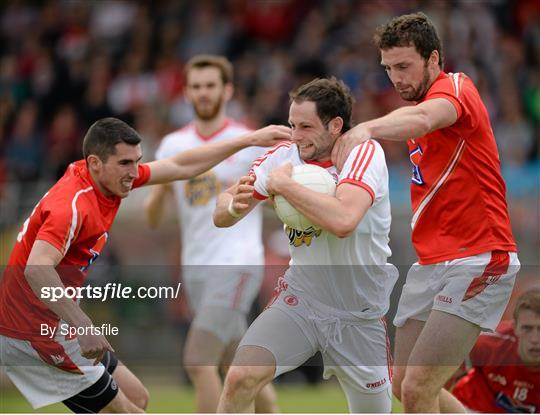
column 345, row 144
column 270, row 135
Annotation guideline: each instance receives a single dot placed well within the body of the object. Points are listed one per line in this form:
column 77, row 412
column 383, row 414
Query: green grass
column 324, row 398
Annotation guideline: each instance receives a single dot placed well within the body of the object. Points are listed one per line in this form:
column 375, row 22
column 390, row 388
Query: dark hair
column 332, row 99
column 530, row 300
column 102, row 137
column 410, row 30
column 220, row 62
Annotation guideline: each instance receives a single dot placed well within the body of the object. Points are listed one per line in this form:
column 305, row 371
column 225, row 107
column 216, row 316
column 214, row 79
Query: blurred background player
column 222, row 268
column 63, row 65
column 504, row 374
column 65, row 233
column 335, row 294
column 467, row 260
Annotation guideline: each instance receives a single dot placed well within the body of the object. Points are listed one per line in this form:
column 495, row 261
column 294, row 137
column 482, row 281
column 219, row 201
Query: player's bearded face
column 408, row 71
column 206, row 92
column 415, row 93
column 208, row 108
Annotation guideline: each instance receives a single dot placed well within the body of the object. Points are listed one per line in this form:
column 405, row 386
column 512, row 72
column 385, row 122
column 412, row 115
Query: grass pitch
column 324, row 398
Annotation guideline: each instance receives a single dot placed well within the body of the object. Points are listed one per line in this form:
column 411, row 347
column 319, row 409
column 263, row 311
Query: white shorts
column 226, row 324
column 222, row 298
column 227, row 286
column 47, row 372
column 475, row 288
column 356, row 351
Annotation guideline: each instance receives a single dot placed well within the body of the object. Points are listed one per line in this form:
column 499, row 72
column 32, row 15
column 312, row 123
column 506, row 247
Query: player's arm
column 235, row 203
column 191, row 163
column 339, row 214
column 40, row 273
column 155, row 203
column 399, row 125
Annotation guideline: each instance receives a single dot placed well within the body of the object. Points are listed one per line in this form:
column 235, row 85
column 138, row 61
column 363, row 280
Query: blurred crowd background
column 65, row 64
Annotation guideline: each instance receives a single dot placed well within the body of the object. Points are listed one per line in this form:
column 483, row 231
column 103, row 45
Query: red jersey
column 457, row 191
column 74, row 217
column 499, row 381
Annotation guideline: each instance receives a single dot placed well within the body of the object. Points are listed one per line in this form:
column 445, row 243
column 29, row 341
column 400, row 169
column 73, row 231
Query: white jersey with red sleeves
column 73, row 216
column 349, row 273
column 457, row 191
column 202, row 242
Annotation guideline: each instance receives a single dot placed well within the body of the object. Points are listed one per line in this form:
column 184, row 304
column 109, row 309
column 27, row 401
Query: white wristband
column 232, row 211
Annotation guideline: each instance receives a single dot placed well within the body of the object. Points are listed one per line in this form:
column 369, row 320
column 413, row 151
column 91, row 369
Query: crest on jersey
column 298, row 238
column 200, row 190
column 96, row 250
column 415, row 156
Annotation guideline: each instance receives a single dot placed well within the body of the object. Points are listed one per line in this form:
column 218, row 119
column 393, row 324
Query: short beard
column 418, row 93
column 211, row 113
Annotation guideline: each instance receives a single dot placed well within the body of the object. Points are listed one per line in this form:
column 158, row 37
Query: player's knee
column 198, row 371
column 142, row 398
column 414, row 388
column 242, row 379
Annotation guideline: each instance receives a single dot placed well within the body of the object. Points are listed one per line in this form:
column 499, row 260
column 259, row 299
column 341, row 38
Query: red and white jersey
column 349, row 273
column 499, row 381
column 74, row 217
column 457, row 191
column 202, row 242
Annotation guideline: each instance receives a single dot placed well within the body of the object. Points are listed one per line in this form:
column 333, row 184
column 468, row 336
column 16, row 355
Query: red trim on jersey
column 497, row 267
column 367, row 149
column 371, row 151
column 362, row 185
column 325, row 164
column 258, row 196
column 55, row 355
column 209, row 137
column 258, row 161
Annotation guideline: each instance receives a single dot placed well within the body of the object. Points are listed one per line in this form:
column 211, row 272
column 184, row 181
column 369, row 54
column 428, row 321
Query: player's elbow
column 343, row 228
column 219, row 220
column 31, row 273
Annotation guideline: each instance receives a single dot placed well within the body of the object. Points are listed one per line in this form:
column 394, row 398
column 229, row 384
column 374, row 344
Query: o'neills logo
column 376, row 384
column 298, row 238
column 444, row 299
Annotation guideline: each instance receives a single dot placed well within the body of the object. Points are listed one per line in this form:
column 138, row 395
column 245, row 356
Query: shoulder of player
column 371, row 148
column 497, row 339
column 451, row 83
column 177, row 137
column 68, row 195
column 280, row 151
column 237, row 126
